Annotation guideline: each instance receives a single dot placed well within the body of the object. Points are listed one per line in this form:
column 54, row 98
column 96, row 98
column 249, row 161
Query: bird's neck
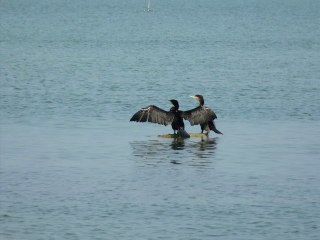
column 174, row 109
column 175, row 106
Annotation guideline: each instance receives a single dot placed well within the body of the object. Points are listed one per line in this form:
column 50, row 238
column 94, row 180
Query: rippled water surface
column 74, row 167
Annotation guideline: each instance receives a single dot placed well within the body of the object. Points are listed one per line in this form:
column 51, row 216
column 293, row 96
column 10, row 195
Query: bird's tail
column 213, row 128
column 182, row 133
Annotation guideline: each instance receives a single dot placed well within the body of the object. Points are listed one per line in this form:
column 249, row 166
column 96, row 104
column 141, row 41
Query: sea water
column 73, row 73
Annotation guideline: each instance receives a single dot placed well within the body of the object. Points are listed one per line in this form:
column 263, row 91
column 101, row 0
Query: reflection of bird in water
column 208, row 143
column 178, row 144
column 207, row 148
column 155, row 114
column 180, row 151
column 201, row 115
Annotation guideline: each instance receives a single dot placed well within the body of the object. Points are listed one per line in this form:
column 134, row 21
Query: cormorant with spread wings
column 201, row 115
column 155, row 114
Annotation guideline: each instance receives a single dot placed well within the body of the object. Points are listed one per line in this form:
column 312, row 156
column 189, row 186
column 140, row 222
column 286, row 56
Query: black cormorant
column 201, row 115
column 155, row 114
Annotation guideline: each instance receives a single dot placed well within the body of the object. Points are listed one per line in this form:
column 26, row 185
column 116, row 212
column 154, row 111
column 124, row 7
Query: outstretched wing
column 153, row 114
column 199, row 115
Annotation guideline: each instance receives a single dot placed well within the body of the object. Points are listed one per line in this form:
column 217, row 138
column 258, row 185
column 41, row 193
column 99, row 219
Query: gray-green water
column 74, row 167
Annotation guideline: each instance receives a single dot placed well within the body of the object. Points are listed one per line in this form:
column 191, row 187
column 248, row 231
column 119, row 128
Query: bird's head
column 199, row 98
column 175, row 103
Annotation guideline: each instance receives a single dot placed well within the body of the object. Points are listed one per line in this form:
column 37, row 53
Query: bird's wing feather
column 199, row 115
column 153, row 114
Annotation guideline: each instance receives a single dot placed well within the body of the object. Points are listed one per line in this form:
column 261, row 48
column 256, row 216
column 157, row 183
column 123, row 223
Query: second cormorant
column 201, row 115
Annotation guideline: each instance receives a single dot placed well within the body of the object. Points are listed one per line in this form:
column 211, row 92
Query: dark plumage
column 155, row 114
column 201, row 115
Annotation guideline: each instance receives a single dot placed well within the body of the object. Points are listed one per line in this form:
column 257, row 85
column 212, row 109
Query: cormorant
column 201, row 115
column 155, row 114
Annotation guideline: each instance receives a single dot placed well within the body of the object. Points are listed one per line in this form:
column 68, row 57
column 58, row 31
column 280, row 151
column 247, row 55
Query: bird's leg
column 174, row 132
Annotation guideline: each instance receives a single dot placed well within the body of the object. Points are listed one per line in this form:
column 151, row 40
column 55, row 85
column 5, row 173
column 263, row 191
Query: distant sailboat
column 149, row 6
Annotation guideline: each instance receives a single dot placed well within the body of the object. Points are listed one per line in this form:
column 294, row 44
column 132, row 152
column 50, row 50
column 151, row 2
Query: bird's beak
column 194, row 97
